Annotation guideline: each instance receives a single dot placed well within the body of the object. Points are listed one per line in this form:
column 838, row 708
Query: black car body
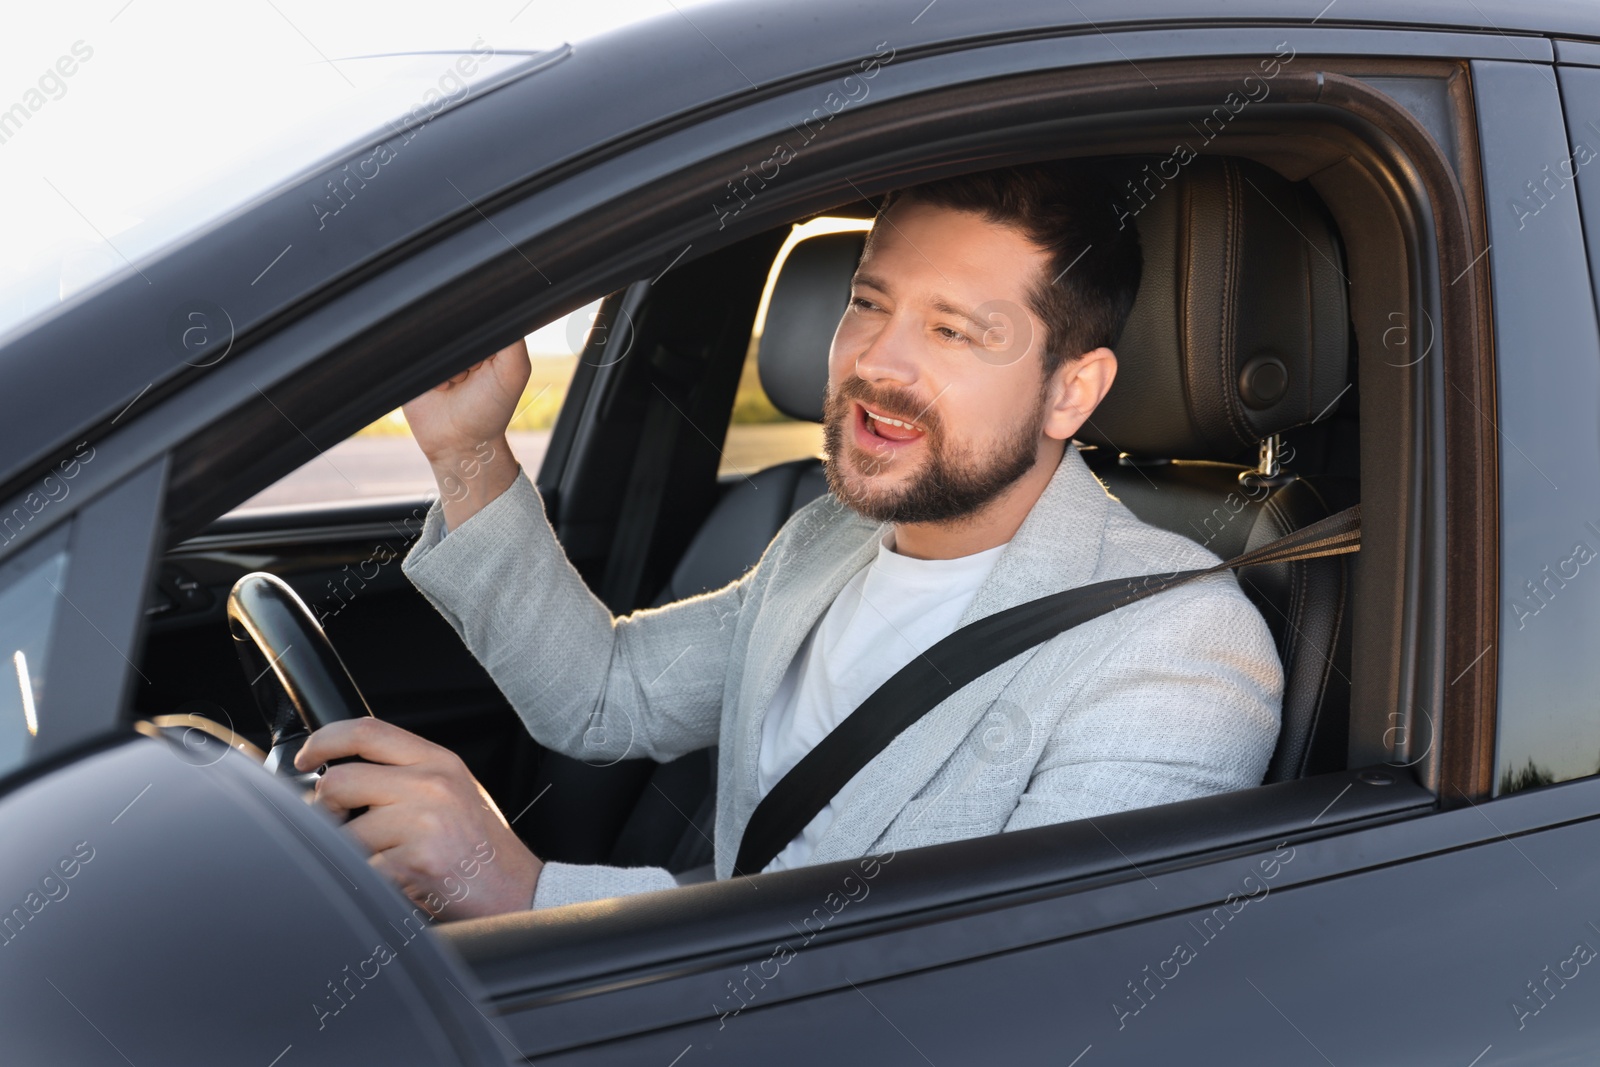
column 1429, row 894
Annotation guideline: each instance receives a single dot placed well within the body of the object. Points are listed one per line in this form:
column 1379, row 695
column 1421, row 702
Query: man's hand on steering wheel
column 429, row 825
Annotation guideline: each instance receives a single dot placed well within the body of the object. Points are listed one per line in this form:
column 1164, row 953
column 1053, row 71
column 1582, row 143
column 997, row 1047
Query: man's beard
column 951, row 484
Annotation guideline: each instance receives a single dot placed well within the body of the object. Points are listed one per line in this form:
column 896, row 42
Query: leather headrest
column 808, row 299
column 1240, row 329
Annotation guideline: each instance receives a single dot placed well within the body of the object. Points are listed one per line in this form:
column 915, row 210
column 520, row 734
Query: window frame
column 205, row 459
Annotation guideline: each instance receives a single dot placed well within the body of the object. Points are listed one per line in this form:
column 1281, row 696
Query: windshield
column 122, row 133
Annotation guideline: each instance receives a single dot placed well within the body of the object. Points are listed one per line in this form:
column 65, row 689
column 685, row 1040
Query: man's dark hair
column 1070, row 210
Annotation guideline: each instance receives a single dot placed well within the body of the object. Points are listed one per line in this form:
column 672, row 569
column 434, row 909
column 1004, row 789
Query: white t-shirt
column 886, row 615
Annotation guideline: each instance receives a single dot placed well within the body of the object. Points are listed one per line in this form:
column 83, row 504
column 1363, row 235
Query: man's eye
column 861, row 303
column 952, row 335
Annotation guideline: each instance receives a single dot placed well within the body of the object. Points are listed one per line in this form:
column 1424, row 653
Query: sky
column 128, row 107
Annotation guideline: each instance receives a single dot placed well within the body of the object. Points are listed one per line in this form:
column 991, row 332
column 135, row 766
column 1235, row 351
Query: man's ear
column 1080, row 384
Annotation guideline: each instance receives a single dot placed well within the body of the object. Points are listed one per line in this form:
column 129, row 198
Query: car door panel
column 1380, row 944
column 1429, row 961
column 573, row 978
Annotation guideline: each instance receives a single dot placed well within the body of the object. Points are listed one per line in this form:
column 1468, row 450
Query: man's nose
column 890, row 355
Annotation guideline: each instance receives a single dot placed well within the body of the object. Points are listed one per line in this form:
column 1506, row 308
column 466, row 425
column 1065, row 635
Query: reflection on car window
column 759, row 435
column 28, row 603
column 381, row 460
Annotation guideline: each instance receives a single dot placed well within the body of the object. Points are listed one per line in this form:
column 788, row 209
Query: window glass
column 382, row 460
column 29, row 599
column 1546, row 421
column 759, row 435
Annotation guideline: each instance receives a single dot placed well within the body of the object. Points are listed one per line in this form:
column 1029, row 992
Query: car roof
column 75, row 369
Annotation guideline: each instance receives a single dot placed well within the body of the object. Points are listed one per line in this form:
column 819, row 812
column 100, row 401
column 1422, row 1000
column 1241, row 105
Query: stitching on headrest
column 1233, row 234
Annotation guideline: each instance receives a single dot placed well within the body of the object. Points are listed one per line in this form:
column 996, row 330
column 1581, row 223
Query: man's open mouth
column 886, row 427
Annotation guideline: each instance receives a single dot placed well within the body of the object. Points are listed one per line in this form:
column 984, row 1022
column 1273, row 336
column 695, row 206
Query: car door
column 1379, row 915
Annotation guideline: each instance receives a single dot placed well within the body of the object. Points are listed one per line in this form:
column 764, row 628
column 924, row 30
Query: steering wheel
column 298, row 681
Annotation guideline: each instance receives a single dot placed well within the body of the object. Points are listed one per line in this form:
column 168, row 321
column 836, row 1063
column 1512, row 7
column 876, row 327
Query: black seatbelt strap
column 968, row 654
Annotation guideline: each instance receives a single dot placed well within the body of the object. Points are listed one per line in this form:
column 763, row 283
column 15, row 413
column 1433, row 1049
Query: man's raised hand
column 460, row 425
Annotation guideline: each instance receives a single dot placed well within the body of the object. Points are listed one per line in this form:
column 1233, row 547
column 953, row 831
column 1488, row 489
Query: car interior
column 1234, row 421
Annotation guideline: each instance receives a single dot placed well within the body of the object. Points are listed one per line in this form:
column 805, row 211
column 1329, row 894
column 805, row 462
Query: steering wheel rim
column 298, row 681
column 181, row 722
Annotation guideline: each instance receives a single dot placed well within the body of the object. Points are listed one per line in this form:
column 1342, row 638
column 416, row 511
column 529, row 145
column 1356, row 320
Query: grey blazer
column 1176, row 696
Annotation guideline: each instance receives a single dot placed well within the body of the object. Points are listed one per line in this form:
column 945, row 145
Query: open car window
column 381, row 460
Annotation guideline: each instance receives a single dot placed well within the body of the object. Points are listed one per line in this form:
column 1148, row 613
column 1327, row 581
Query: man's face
column 937, row 336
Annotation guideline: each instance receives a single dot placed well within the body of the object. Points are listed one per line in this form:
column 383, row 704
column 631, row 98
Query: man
column 976, row 343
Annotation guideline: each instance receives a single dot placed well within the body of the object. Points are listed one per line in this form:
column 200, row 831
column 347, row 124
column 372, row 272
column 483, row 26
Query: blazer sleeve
column 585, row 683
column 580, row 883
column 1184, row 702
